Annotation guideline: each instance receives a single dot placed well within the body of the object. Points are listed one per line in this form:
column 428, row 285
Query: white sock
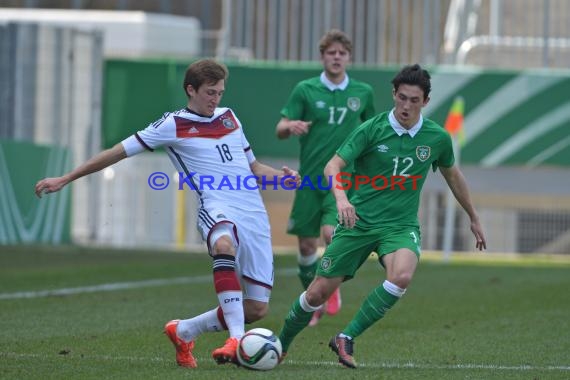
column 190, row 329
column 231, row 303
column 307, row 260
column 305, row 305
column 393, row 289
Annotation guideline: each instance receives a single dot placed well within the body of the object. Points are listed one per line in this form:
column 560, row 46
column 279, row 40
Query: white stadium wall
column 133, row 34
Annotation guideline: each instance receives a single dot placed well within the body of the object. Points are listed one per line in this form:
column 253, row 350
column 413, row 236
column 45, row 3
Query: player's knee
column 315, row 297
column 402, row 279
column 307, row 246
column 328, row 232
column 254, row 311
column 224, row 245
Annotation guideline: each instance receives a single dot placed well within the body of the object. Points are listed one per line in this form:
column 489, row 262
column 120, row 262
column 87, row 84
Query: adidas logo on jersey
column 193, row 130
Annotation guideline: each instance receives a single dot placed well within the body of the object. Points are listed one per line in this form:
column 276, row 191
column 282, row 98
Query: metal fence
column 514, row 34
column 489, row 33
column 51, row 94
column 383, row 32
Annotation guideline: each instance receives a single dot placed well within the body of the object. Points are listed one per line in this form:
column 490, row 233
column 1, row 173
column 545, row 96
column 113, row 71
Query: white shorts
column 252, row 237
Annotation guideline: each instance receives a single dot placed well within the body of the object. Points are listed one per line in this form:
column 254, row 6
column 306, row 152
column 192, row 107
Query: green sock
column 296, row 320
column 307, row 273
column 378, row 302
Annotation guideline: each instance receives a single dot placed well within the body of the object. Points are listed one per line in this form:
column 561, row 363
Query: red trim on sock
column 226, row 281
column 221, row 318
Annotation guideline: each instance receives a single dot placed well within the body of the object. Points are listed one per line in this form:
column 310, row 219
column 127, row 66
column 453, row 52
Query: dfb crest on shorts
column 325, row 264
column 228, row 123
column 423, row 152
column 353, row 103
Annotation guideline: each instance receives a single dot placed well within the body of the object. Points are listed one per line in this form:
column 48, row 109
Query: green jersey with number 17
column 333, row 115
column 392, row 164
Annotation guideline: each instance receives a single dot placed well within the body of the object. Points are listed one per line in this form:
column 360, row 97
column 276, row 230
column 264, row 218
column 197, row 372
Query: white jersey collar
column 217, row 112
column 400, row 130
column 331, row 86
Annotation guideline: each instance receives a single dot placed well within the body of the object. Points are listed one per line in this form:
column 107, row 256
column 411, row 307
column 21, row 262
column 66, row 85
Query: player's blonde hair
column 332, row 36
column 204, row 71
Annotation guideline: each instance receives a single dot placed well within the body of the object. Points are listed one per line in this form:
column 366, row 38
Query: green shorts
column 311, row 210
column 349, row 249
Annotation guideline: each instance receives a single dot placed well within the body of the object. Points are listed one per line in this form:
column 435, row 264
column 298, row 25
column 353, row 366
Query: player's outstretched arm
column 292, row 178
column 100, row 161
column 286, row 128
column 456, row 182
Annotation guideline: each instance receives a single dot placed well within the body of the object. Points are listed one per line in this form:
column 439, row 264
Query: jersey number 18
column 224, row 151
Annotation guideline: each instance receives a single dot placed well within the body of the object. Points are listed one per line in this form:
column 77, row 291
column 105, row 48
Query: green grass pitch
column 78, row 313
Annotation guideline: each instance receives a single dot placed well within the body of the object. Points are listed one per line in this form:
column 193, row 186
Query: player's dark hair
column 204, row 71
column 332, row 36
column 413, row 75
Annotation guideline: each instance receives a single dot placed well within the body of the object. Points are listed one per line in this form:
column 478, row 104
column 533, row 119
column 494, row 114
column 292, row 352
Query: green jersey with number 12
column 391, row 165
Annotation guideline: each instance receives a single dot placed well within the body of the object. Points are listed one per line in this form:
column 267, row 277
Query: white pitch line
column 406, row 365
column 111, row 287
column 443, row 366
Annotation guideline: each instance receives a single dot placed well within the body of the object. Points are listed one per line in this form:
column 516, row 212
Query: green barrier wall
column 23, row 217
column 138, row 93
column 511, row 118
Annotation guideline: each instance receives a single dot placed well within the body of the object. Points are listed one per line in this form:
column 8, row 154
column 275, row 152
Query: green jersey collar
column 401, row 130
column 331, row 86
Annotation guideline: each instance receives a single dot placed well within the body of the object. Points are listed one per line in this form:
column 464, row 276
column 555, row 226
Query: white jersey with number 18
column 211, row 153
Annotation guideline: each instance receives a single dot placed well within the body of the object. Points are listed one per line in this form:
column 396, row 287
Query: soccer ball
column 259, row 349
